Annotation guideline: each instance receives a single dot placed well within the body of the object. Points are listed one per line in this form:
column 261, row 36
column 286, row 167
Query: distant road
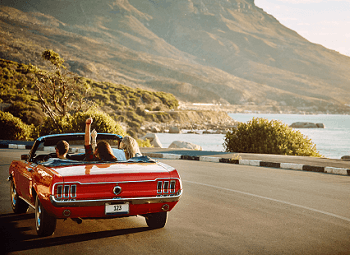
column 225, row 209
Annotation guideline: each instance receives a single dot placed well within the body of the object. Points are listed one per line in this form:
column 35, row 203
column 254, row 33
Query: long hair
column 63, row 147
column 130, row 146
column 105, row 151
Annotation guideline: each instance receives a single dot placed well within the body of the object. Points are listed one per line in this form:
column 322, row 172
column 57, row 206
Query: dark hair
column 105, row 151
column 62, row 147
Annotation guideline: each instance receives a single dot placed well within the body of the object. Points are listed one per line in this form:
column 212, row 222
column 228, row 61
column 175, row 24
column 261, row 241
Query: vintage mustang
column 77, row 189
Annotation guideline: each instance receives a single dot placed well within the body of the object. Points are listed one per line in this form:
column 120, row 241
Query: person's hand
column 94, row 134
column 89, row 121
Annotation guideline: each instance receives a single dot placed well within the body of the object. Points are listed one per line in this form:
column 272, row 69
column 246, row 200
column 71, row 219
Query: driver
column 62, row 148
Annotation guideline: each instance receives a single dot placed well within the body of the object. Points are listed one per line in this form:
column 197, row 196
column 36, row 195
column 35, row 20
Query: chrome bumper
column 98, row 202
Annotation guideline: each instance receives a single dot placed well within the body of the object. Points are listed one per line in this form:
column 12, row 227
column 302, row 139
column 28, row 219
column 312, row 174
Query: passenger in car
column 130, row 146
column 103, row 149
column 62, row 148
column 118, row 153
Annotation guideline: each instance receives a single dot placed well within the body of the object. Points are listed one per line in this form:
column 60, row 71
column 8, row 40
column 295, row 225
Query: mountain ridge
column 228, row 52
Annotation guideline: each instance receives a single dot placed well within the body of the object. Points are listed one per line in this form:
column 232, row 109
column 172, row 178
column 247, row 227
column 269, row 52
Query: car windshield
column 45, row 148
column 43, row 151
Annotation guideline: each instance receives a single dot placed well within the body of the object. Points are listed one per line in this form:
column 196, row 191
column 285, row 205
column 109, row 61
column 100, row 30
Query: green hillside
column 130, row 106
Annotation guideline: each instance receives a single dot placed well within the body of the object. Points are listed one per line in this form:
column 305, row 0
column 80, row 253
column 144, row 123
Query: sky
column 325, row 22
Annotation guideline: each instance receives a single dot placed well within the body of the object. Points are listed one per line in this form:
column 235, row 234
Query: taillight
column 66, row 191
column 166, row 187
column 59, row 191
column 172, row 186
column 73, row 191
column 159, row 187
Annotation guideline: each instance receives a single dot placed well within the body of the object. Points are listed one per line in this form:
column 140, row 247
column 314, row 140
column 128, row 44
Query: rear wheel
column 17, row 204
column 45, row 224
column 156, row 220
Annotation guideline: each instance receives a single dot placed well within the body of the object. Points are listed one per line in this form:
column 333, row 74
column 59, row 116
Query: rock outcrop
column 307, row 125
column 185, row 145
column 194, row 120
column 154, row 140
column 174, row 130
column 347, row 158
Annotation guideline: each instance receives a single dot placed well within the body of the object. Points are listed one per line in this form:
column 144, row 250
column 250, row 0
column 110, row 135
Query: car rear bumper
column 98, row 202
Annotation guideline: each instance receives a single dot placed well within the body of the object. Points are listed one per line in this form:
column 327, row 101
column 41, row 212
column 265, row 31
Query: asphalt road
column 225, row 209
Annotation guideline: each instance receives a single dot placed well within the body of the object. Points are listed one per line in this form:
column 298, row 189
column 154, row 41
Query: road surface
column 225, row 209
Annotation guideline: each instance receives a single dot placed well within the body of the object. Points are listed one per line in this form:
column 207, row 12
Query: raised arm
column 87, row 131
column 89, row 154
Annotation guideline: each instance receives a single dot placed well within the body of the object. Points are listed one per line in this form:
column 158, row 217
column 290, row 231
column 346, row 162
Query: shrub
column 144, row 143
column 268, row 137
column 102, row 122
column 12, row 128
column 29, row 114
column 62, row 125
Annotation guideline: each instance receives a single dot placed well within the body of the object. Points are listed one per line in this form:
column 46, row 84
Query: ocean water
column 332, row 142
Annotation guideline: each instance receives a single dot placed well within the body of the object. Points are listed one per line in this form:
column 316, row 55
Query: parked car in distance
column 79, row 189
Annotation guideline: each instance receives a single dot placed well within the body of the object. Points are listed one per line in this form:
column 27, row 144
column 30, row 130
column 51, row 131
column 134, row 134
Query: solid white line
column 272, row 199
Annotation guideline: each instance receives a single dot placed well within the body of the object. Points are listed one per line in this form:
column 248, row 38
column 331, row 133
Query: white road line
column 272, row 199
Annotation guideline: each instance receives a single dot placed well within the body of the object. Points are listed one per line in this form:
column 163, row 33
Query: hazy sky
column 325, row 22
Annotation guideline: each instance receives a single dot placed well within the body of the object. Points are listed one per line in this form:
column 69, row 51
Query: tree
column 60, row 92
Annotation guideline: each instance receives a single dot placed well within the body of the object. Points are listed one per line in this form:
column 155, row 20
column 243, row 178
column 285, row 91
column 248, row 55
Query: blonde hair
column 130, row 146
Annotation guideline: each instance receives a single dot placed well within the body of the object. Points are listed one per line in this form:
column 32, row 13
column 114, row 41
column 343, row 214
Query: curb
column 16, row 146
column 287, row 166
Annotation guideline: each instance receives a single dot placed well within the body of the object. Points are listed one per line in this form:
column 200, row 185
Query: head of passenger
column 62, row 148
column 104, row 151
column 130, row 146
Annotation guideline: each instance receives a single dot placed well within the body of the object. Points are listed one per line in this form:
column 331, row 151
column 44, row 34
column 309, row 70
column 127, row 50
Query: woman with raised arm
column 103, row 150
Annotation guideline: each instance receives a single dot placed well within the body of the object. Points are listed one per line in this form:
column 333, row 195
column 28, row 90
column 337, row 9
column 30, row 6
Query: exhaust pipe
column 165, row 207
column 78, row 220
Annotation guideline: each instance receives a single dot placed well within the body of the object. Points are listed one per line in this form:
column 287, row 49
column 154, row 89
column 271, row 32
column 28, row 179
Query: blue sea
column 332, row 142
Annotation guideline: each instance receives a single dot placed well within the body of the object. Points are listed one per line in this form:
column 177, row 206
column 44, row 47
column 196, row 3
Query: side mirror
column 24, row 157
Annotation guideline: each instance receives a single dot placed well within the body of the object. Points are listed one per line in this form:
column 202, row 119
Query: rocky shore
column 210, row 122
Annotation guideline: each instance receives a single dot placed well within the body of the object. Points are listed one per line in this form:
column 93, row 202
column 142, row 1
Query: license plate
column 111, row 209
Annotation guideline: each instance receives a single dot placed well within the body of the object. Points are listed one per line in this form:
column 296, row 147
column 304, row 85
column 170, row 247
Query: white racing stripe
column 272, row 199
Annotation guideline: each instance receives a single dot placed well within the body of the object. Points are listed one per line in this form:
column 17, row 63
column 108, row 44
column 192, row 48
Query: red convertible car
column 77, row 189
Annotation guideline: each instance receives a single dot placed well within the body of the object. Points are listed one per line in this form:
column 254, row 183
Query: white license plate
column 116, row 209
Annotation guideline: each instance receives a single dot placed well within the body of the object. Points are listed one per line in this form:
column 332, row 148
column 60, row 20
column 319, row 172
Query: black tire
column 45, row 224
column 156, row 220
column 17, row 204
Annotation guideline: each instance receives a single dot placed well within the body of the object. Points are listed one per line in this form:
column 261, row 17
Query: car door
column 24, row 181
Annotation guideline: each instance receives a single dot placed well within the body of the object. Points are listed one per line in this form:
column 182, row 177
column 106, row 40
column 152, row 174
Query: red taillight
column 66, row 191
column 160, row 187
column 166, row 187
column 172, row 186
column 59, row 190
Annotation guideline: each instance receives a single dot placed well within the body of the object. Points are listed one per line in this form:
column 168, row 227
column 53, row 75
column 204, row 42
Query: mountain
column 207, row 51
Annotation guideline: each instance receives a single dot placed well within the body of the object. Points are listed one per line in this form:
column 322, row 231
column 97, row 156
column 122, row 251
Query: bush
column 144, row 143
column 102, row 122
column 12, row 128
column 50, row 127
column 27, row 113
column 268, row 137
